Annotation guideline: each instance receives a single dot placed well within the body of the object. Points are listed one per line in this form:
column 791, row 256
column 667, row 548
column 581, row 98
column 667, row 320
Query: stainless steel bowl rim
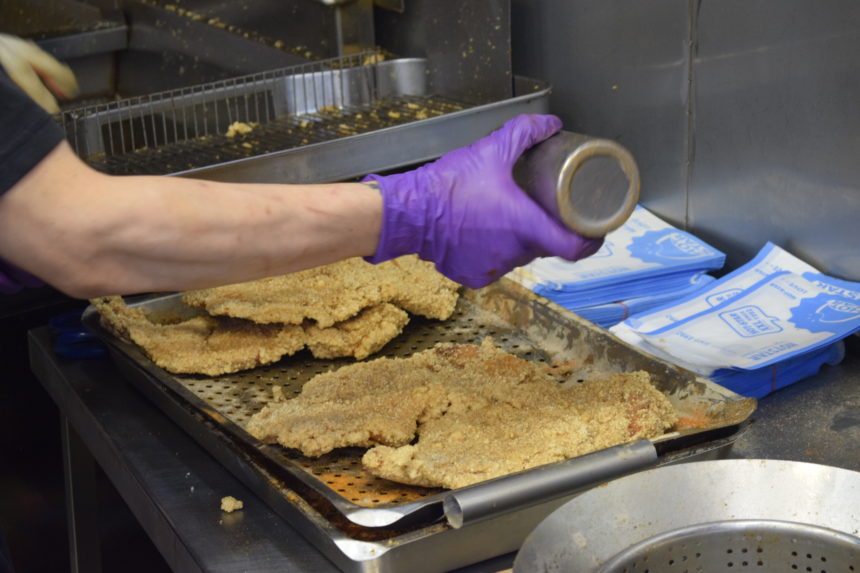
column 594, row 527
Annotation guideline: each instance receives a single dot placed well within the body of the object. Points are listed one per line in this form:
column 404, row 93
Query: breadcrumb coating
column 346, row 309
column 477, row 411
column 333, row 293
column 359, row 336
column 463, row 448
column 219, row 345
column 203, row 344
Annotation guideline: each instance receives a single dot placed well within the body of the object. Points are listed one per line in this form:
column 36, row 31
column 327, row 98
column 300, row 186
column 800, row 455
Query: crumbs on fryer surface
column 240, row 128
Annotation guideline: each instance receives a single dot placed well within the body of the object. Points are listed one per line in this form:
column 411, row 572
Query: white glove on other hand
column 37, row 72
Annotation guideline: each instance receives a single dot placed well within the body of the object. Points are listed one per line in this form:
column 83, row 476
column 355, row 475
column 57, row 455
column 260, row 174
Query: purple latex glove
column 13, row 279
column 465, row 213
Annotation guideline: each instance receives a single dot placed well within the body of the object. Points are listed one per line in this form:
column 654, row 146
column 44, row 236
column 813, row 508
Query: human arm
column 91, row 234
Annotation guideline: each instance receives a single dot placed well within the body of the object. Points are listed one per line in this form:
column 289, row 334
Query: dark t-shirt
column 27, row 135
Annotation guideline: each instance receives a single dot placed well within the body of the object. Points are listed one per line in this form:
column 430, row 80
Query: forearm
column 91, row 234
column 185, row 234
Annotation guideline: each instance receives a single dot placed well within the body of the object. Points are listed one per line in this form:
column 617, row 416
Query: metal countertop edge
column 172, row 546
column 104, row 451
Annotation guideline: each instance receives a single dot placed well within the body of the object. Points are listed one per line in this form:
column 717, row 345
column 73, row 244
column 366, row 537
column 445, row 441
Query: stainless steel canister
column 589, row 184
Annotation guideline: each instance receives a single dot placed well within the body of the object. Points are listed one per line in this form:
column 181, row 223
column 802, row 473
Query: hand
column 36, row 72
column 465, row 213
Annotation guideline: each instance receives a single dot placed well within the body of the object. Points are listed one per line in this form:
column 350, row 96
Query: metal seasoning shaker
column 591, row 185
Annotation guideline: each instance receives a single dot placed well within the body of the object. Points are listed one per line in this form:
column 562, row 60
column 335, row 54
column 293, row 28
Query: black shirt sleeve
column 27, row 133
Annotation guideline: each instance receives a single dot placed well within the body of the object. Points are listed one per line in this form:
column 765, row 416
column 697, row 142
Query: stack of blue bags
column 768, row 324
column 772, row 322
column 644, row 264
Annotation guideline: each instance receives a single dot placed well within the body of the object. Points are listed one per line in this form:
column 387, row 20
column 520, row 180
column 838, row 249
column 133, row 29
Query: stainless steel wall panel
column 618, row 70
column 777, row 129
column 744, row 116
column 467, row 44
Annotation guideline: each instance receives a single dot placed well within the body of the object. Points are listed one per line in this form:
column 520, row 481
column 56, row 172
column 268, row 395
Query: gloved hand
column 36, row 72
column 13, row 279
column 465, row 213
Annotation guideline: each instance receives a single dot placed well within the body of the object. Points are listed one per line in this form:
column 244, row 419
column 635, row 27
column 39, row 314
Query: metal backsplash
column 467, row 44
column 744, row 117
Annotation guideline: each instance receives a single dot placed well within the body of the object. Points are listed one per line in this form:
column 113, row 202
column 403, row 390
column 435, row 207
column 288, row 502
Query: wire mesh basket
column 241, row 117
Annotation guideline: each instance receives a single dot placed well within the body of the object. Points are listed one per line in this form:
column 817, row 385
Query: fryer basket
column 315, row 122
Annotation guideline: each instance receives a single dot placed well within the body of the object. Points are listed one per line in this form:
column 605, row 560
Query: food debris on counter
column 229, row 504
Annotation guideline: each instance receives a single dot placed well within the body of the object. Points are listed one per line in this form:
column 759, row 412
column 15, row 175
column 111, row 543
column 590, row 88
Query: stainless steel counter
column 816, row 420
column 174, row 487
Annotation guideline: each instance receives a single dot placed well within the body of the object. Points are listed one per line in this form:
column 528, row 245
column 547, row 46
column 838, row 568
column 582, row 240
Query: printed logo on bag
column 823, row 313
column 669, row 244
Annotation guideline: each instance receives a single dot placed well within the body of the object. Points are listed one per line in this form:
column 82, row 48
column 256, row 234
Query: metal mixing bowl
column 714, row 516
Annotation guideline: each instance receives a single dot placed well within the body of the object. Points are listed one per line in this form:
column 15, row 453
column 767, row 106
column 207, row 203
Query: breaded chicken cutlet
column 333, row 293
column 477, row 411
column 359, row 336
column 220, row 345
column 349, row 308
column 504, row 437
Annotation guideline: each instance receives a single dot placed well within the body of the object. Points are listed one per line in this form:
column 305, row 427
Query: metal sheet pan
column 365, row 524
column 521, row 323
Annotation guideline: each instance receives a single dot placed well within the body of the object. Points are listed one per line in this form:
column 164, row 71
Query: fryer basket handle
column 508, row 493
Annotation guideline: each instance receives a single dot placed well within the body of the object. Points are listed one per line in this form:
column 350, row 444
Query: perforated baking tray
column 519, row 322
